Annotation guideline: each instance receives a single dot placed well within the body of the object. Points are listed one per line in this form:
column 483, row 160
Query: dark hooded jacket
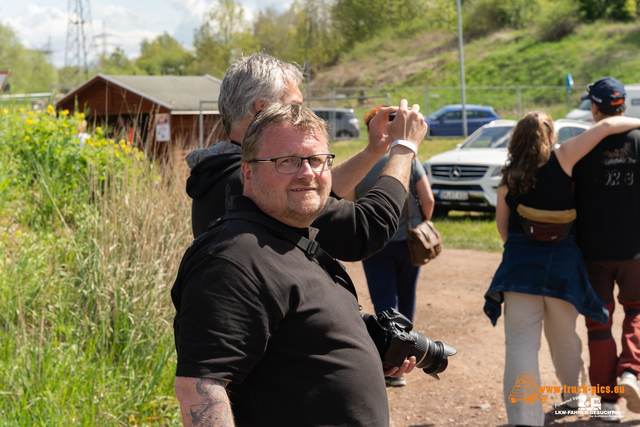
column 348, row 231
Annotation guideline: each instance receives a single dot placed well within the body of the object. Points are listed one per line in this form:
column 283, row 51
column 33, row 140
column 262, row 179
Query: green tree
column 485, row 16
column 223, row 37
column 358, row 20
column 557, row 18
column 118, row 63
column 30, row 70
column 621, row 10
column 303, row 31
column 163, row 55
column 317, row 34
column 278, row 33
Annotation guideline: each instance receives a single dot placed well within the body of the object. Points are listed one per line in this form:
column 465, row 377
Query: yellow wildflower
column 22, row 110
column 26, row 137
column 98, row 129
column 5, row 111
column 30, row 121
column 80, row 115
column 65, row 113
column 50, row 109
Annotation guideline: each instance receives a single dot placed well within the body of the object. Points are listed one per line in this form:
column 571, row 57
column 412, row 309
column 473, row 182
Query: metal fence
column 509, row 101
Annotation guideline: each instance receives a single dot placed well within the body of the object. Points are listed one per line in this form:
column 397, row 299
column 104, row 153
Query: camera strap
column 310, row 247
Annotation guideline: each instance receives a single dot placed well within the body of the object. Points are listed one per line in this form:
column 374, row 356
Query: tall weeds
column 90, row 247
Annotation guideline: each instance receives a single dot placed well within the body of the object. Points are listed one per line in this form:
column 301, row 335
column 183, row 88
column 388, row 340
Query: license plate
column 454, row 195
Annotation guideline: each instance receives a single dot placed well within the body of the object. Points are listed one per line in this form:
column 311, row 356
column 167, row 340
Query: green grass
column 346, row 148
column 469, row 230
column 463, row 230
column 91, row 238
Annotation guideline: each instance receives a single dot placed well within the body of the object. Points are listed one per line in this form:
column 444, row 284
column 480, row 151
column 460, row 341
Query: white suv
column 467, row 177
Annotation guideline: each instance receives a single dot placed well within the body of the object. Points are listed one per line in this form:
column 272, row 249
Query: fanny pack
column 546, row 226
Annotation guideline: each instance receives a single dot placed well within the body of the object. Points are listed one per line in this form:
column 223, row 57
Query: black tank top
column 552, row 192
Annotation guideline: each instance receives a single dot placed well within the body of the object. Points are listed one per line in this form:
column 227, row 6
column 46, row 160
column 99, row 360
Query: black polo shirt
column 254, row 310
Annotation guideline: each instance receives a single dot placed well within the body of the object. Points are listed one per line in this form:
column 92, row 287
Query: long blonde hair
column 529, row 147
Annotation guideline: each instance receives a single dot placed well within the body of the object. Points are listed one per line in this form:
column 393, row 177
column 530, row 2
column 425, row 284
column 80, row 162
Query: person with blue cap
column 607, row 199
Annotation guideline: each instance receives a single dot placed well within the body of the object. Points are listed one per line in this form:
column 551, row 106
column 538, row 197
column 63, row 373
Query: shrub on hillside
column 620, row 10
column 485, row 16
column 557, row 19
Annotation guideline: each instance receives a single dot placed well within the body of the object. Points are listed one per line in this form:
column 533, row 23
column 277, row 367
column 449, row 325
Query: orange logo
column 526, row 389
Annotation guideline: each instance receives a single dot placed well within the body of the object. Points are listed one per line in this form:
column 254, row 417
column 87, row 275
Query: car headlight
column 353, row 121
column 496, row 171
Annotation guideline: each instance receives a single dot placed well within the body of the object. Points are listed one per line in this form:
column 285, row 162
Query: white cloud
column 194, row 8
column 118, row 16
column 190, row 15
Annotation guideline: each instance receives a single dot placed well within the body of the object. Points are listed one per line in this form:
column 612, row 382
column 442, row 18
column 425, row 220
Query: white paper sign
column 163, row 127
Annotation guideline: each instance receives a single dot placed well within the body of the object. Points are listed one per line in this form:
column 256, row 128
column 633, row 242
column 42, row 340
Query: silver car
column 343, row 121
column 467, row 177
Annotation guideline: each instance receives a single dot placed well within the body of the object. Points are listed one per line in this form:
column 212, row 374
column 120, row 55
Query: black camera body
column 396, row 340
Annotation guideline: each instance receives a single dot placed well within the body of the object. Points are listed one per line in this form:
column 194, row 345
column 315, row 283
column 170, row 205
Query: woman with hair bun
column 542, row 278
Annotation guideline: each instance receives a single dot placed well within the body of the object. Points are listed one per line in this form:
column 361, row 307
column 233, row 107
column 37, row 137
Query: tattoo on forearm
column 213, row 409
column 206, row 386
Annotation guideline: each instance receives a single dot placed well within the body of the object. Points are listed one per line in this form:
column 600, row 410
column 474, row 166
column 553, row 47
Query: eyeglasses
column 291, row 164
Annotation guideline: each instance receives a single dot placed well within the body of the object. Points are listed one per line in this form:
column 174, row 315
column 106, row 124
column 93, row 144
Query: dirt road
column 450, row 300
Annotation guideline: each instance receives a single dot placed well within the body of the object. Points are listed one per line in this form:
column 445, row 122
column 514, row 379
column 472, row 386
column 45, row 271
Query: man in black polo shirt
column 607, row 195
column 259, row 318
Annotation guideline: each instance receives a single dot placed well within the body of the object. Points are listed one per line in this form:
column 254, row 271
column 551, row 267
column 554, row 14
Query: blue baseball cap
column 607, row 92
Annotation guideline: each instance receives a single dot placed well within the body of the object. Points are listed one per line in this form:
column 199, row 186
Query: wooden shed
column 161, row 114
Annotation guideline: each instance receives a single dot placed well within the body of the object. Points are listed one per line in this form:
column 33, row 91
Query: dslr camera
column 396, row 340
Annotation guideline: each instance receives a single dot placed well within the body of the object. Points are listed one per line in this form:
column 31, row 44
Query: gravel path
column 450, row 300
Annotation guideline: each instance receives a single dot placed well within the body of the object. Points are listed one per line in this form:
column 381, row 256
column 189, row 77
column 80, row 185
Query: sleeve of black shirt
column 225, row 320
column 354, row 231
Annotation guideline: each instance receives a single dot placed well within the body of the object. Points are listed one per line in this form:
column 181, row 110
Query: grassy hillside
column 500, row 59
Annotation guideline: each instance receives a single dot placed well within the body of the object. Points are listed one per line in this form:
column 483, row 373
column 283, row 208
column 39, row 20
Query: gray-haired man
column 348, row 231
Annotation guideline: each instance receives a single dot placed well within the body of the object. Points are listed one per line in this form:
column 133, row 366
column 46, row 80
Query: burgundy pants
column 606, row 366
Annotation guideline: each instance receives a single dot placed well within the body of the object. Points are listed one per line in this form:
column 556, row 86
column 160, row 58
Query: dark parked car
column 448, row 120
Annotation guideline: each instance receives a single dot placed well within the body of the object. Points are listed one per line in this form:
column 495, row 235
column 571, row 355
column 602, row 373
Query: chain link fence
column 510, row 102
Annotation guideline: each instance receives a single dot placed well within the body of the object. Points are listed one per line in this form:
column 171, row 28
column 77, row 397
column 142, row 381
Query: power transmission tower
column 104, row 44
column 79, row 37
column 47, row 51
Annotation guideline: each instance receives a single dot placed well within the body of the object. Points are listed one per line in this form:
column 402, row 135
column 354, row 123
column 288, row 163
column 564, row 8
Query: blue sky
column 43, row 23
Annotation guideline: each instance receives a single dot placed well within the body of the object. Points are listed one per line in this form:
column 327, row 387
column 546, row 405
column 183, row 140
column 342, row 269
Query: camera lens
column 431, row 356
